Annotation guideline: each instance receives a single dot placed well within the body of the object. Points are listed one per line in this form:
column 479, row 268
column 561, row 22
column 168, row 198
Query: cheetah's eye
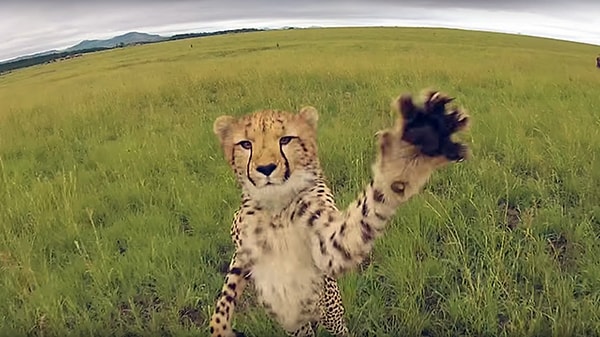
column 285, row 140
column 245, row 144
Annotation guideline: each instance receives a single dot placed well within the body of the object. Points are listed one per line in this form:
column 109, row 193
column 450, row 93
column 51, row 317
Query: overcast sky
column 30, row 26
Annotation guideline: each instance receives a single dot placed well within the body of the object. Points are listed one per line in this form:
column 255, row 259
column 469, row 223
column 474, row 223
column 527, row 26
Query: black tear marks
column 248, row 169
column 287, row 173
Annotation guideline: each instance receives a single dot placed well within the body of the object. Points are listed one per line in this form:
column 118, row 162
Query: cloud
column 37, row 25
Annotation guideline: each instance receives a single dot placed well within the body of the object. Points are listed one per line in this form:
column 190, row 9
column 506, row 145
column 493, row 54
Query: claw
column 436, row 103
column 430, row 126
column 454, row 151
column 455, row 121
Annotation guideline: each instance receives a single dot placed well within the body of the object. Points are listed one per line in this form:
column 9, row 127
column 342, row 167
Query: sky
column 30, row 26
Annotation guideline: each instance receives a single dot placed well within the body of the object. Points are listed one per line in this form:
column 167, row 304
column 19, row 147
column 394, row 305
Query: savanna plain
column 116, row 202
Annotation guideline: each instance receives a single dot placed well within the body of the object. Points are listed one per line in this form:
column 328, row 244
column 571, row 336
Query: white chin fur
column 277, row 197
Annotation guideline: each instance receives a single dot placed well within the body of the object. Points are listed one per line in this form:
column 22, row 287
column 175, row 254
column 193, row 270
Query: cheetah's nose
column 266, row 169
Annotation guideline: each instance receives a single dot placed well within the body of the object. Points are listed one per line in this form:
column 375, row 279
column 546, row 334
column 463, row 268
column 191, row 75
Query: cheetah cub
column 291, row 240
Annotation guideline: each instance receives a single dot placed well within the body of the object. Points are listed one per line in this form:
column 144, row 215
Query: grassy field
column 116, row 203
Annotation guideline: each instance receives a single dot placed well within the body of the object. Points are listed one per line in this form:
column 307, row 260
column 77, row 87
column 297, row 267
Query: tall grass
column 116, row 202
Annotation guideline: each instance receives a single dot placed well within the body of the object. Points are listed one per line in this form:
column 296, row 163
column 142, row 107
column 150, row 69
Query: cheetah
column 291, row 241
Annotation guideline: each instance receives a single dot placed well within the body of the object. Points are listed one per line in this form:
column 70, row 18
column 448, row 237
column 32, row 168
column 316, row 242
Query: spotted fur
column 291, row 240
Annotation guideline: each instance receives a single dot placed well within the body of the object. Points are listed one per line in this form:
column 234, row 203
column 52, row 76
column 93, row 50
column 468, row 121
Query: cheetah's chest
column 284, row 274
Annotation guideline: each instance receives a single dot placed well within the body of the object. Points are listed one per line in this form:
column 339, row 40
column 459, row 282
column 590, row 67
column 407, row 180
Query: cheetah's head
column 272, row 153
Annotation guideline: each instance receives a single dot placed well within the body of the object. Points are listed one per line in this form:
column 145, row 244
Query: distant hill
column 118, row 41
column 89, row 46
column 94, row 45
column 24, row 57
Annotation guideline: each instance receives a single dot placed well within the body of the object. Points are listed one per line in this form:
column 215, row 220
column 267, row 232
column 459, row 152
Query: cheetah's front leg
column 332, row 309
column 408, row 153
column 235, row 283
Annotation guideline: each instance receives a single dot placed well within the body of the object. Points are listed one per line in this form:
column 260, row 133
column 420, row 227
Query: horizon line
column 191, row 31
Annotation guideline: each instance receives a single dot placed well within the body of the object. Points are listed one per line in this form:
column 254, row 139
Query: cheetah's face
column 270, row 150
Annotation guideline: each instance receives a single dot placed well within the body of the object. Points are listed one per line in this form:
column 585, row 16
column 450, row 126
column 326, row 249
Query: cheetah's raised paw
column 430, row 127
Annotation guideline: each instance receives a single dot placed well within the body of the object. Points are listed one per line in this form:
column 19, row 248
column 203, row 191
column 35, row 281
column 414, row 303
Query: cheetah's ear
column 310, row 115
column 222, row 127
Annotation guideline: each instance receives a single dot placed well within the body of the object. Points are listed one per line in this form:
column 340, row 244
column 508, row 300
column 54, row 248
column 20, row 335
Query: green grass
column 116, row 202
